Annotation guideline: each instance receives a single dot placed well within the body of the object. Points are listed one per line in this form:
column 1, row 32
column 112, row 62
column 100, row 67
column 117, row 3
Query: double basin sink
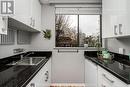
column 28, row 61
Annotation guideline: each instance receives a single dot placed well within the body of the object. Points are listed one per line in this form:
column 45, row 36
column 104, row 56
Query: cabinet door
column 90, row 74
column 123, row 25
column 107, row 30
column 28, row 12
column 109, row 8
column 114, row 26
column 36, row 14
column 124, row 18
column 123, row 6
column 104, row 78
column 115, row 18
column 23, row 11
column 128, row 16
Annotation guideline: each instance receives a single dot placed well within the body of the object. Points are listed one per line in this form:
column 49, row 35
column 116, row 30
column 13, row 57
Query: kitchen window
column 78, row 30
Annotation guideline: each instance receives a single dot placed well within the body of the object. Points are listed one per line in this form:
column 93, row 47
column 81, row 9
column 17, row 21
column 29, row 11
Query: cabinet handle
column 32, row 85
column 120, row 27
column 115, row 28
column 108, row 78
column 31, row 21
column 34, row 23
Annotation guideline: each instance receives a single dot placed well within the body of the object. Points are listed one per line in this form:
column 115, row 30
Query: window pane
column 89, row 30
column 66, row 30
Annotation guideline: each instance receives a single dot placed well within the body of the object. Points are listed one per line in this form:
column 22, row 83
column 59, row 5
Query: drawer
column 106, row 77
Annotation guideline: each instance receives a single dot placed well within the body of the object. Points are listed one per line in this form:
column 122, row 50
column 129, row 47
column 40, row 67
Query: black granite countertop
column 20, row 75
column 119, row 66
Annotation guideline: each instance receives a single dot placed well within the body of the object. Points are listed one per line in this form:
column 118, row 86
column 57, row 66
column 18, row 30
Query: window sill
column 77, row 48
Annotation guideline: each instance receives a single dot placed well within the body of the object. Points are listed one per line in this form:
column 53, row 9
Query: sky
column 88, row 24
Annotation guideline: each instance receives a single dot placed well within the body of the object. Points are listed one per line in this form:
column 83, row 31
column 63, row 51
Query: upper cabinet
column 36, row 14
column 115, row 18
column 28, row 12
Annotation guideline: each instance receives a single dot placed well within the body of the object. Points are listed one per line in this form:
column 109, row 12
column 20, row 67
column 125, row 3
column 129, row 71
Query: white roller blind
column 78, row 9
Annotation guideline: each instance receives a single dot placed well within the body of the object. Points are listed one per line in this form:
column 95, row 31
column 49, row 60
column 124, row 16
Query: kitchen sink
column 28, row 61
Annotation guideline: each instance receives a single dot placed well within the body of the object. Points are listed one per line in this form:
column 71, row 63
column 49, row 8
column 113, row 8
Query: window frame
column 100, row 15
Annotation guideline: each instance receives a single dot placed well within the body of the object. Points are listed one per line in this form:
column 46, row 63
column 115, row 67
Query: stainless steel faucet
column 25, row 55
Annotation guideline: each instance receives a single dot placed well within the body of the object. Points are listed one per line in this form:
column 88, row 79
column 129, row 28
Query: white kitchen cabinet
column 28, row 12
column 90, row 74
column 122, row 26
column 115, row 18
column 23, row 11
column 36, row 14
column 43, row 77
column 107, row 6
column 106, row 79
column 106, row 28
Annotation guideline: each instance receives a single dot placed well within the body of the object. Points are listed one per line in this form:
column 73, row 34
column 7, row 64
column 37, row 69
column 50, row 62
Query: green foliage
column 47, row 33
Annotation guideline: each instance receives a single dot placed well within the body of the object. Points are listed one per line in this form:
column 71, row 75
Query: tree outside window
column 77, row 30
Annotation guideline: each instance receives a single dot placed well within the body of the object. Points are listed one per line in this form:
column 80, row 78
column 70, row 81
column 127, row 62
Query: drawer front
column 107, row 78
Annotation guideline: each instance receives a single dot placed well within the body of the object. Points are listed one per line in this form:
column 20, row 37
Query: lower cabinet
column 43, row 77
column 106, row 79
column 96, row 76
column 90, row 74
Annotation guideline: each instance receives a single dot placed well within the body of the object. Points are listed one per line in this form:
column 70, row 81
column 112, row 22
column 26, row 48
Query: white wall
column 68, row 67
column 48, row 22
column 114, row 44
column 7, row 50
